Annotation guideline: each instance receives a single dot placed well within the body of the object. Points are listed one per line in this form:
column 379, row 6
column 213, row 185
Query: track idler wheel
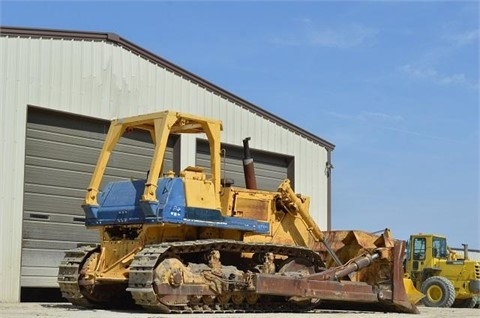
column 101, row 295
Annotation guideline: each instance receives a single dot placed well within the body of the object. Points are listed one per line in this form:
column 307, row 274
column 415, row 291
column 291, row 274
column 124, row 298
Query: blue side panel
column 117, row 204
column 120, row 203
column 170, row 196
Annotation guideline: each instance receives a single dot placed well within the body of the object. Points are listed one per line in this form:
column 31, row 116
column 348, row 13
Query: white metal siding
column 100, row 79
column 472, row 254
column 12, row 136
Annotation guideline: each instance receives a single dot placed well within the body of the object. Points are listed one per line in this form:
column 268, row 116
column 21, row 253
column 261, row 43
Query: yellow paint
column 199, row 192
column 420, row 266
column 414, row 296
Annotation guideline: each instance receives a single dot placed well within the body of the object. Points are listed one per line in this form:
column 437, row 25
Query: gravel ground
column 62, row 310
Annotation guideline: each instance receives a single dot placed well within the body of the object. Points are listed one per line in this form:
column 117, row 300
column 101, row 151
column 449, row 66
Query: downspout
column 328, row 173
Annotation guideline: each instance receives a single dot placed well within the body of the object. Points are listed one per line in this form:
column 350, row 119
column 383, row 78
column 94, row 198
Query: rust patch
column 251, row 208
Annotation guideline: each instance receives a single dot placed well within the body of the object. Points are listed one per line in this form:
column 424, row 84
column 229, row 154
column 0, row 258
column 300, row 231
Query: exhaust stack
column 465, row 252
column 248, row 167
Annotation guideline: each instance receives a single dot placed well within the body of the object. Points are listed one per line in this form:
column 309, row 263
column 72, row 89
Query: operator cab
column 425, row 249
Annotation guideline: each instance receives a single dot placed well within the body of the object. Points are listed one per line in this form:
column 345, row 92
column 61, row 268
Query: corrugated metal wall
column 100, row 79
column 472, row 254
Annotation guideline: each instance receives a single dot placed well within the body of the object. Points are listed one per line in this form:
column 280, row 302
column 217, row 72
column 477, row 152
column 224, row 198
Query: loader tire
column 465, row 303
column 439, row 292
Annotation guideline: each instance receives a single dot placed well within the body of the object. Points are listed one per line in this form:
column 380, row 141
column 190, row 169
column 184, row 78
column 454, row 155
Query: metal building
column 472, row 254
column 58, row 91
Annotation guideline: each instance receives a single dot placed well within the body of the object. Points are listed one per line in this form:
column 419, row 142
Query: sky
column 394, row 85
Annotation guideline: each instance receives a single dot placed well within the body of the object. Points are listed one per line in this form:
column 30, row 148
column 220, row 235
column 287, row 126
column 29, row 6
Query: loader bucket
column 384, row 276
column 414, row 296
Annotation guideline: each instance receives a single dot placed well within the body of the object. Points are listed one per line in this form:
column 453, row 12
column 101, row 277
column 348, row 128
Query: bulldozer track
column 142, row 269
column 68, row 273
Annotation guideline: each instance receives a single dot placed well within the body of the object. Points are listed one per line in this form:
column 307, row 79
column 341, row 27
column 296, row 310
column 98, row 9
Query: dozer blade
column 373, row 285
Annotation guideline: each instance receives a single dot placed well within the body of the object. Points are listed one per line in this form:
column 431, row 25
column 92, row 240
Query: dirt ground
column 62, row 310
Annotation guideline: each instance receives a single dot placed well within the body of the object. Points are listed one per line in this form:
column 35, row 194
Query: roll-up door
column 270, row 168
column 61, row 153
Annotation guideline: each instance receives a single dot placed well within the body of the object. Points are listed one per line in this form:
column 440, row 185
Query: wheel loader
column 446, row 280
column 194, row 243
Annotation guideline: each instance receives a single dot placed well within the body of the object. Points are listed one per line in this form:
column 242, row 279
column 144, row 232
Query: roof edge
column 113, row 37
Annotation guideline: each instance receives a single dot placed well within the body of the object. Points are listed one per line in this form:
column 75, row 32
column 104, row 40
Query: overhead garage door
column 61, row 153
column 270, row 168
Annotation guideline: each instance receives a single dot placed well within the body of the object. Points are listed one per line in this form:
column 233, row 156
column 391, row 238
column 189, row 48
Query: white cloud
column 368, row 116
column 384, row 121
column 463, row 38
column 345, row 37
column 348, row 36
column 380, row 116
column 433, row 75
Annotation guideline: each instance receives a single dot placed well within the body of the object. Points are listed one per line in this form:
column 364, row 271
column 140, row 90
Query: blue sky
column 394, row 85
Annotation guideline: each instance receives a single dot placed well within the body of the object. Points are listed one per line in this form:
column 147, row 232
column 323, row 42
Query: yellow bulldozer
column 191, row 242
column 435, row 270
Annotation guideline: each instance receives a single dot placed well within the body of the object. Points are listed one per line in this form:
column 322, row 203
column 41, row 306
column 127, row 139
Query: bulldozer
column 195, row 243
column 436, row 270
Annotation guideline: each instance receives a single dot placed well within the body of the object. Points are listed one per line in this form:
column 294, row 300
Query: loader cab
column 424, row 250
